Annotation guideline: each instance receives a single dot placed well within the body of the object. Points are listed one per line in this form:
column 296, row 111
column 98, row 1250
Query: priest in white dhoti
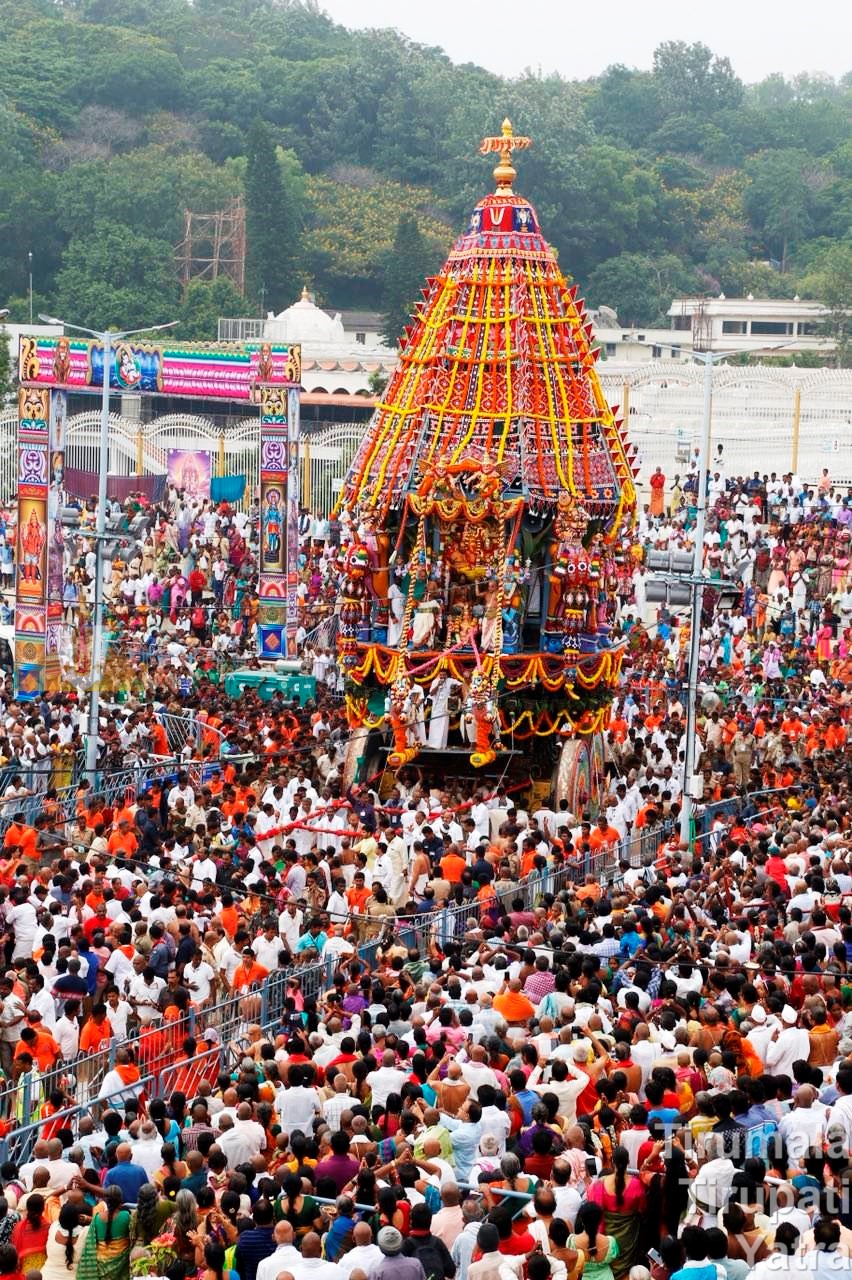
column 424, row 629
column 415, row 715
column 396, row 609
column 441, row 690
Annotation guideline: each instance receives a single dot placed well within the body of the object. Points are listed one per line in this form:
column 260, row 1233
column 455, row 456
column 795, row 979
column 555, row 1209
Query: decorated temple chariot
column 491, row 503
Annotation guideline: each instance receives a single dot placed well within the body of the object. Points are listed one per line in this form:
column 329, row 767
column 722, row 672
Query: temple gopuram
column 491, row 503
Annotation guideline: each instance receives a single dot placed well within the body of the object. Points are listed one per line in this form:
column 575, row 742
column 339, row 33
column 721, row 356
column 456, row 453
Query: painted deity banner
column 211, row 371
column 190, row 470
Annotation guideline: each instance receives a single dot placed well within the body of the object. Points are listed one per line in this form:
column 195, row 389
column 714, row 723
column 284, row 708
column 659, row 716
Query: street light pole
column 108, row 340
column 709, row 358
column 697, row 598
column 30, row 257
column 100, row 530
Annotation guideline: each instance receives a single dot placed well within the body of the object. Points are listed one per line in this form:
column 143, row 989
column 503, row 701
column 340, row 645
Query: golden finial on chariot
column 506, row 143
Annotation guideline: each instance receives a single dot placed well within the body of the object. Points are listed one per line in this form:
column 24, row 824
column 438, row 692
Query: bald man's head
column 311, row 1245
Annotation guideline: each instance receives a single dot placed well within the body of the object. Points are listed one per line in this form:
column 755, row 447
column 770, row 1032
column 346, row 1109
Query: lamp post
column 108, row 338
column 708, row 358
column 30, row 260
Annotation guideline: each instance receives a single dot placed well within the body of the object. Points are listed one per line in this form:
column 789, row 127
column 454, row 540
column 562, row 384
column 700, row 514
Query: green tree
column 778, row 200
column 203, row 304
column 273, row 224
column 406, row 268
column 693, row 81
column 5, row 366
column 625, row 105
column 117, row 276
column 640, row 288
column 830, row 282
column 147, row 189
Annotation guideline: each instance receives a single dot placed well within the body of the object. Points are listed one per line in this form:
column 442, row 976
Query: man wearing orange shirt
column 229, row 916
column 40, row 1044
column 122, row 842
column 357, row 898
column 648, row 813
column 792, row 725
column 452, row 865
column 21, row 836
column 603, row 836
column 96, row 1033
column 159, row 740
column 249, row 972
column 513, row 1005
column 619, row 727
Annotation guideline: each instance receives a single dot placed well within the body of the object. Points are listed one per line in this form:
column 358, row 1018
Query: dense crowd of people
column 257, row 1022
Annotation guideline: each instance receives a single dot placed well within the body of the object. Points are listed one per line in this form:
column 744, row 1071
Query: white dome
column 307, row 323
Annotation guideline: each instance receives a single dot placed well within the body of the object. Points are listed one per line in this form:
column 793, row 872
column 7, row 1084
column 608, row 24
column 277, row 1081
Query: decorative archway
column 262, row 374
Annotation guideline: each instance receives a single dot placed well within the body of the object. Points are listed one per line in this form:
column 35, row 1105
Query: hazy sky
column 579, row 39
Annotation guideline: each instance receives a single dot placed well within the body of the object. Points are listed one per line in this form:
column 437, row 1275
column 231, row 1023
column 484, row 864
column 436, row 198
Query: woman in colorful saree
column 106, row 1253
column 621, row 1196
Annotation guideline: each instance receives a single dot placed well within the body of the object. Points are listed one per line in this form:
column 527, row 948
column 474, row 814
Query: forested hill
column 115, row 116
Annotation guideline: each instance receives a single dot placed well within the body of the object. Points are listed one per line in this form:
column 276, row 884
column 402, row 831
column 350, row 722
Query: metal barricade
column 83, row 1077
column 185, row 1077
column 17, row 1144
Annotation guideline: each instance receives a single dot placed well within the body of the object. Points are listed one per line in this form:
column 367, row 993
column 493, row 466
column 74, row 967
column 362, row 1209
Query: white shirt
column 803, row 1129
column 117, row 1019
column 290, row 928
column 245, row 1140
column 268, row 952
column 204, row 869
column 317, row 1269
column 363, row 1256
column 198, row 981
column 297, row 1109
column 284, row 1258
column 497, row 1122
column 477, row 1074
column 121, row 968
column 792, row 1045
column 66, row 1033
column 384, row 1081
column 147, row 1153
column 177, row 793
column 42, row 1002
column 23, row 919
column 139, row 989
column 568, row 1201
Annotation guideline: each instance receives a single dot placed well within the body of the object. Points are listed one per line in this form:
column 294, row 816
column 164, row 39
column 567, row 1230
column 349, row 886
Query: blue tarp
column 227, row 488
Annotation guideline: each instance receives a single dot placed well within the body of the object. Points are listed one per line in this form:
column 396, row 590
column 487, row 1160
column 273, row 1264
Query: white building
column 340, row 351
column 749, row 324
column 639, row 344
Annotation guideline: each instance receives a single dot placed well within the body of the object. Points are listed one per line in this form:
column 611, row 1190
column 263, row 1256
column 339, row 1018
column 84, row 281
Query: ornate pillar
column 34, row 410
column 274, row 487
column 293, row 503
column 55, row 540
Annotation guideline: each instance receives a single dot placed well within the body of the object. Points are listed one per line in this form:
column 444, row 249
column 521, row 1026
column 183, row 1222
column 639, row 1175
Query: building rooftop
column 755, row 306
column 362, row 320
